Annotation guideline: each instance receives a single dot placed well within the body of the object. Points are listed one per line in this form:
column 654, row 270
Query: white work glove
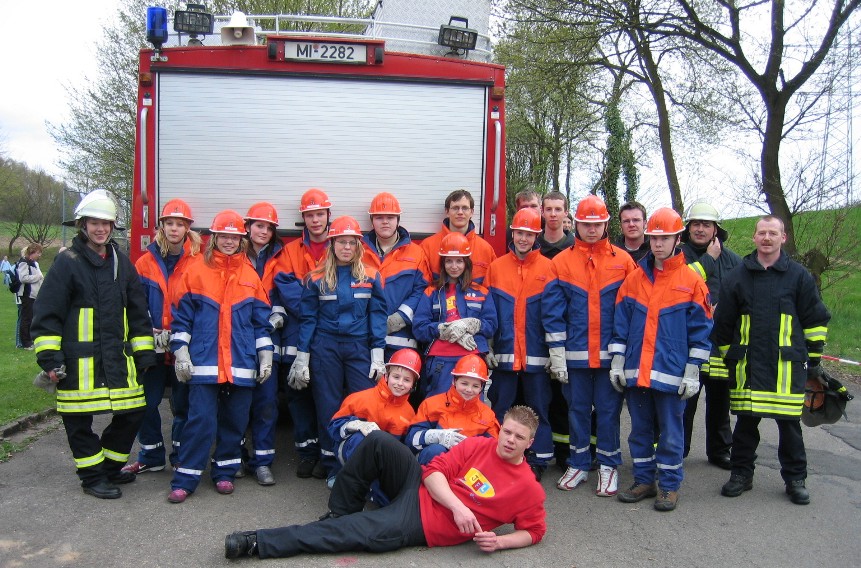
column 265, row 369
column 182, row 365
column 395, row 322
column 459, row 328
column 467, row 341
column 557, row 365
column 363, row 427
column 448, row 437
column 47, row 380
column 617, row 373
column 276, row 320
column 443, row 331
column 161, row 338
column 378, row 368
column 490, row 358
column 690, row 382
column 299, row 375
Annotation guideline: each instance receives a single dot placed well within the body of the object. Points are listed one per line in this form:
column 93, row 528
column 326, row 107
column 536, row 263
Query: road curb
column 26, row 422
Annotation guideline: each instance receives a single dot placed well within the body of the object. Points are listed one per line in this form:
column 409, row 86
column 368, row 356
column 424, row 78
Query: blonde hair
column 210, row 246
column 164, row 245
column 329, row 268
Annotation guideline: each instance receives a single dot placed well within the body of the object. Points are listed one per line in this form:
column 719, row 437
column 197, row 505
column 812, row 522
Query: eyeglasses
column 346, row 243
column 632, row 221
column 460, row 208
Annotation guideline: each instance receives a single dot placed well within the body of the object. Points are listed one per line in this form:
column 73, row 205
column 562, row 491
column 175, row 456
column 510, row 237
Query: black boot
column 736, row 485
column 103, row 490
column 240, row 544
column 797, row 492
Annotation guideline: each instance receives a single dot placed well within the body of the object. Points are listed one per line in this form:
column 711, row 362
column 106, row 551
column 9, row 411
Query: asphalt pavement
column 47, row 521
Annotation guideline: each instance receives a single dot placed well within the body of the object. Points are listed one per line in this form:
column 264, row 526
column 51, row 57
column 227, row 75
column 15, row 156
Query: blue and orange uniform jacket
column 449, row 410
column 392, row 414
column 159, row 286
column 222, row 316
column 284, row 280
column 482, row 253
column 580, row 300
column 404, row 273
column 476, row 302
column 663, row 321
column 353, row 310
column 264, row 264
column 517, row 287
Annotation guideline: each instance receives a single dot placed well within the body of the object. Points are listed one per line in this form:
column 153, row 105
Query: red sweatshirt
column 497, row 492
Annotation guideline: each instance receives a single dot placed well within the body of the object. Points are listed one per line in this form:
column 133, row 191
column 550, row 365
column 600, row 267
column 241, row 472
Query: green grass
column 18, row 396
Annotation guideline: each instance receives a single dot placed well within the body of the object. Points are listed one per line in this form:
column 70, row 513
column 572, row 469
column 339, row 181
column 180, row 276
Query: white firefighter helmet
column 98, row 204
column 702, row 211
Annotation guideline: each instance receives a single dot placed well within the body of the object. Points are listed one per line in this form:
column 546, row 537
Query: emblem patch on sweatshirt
column 478, row 483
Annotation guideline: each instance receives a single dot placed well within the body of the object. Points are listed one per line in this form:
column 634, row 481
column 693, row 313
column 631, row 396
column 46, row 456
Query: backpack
column 14, row 281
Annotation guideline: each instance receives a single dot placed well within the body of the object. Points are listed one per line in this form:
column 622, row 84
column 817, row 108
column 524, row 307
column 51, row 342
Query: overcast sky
column 44, row 46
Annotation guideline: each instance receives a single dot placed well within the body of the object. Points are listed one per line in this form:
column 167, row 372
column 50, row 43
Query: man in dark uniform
column 771, row 327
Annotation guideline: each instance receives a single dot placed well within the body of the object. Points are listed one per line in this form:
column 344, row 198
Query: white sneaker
column 571, row 478
column 608, row 482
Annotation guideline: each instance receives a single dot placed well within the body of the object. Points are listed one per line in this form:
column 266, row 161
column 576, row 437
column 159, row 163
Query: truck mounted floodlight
column 194, row 21
column 457, row 37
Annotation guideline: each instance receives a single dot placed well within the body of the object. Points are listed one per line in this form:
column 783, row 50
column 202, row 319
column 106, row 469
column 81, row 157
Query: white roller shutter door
column 227, row 141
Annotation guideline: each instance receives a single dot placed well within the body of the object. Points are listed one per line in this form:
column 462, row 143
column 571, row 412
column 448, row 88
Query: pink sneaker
column 178, row 496
column 224, row 487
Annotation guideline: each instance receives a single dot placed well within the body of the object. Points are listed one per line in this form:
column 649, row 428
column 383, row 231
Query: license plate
column 326, row 52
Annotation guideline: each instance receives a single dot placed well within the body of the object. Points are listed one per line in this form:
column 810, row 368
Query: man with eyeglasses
column 459, row 206
column 632, row 218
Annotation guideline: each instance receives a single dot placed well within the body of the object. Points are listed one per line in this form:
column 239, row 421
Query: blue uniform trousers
column 264, row 416
column 648, row 406
column 300, row 403
column 155, row 380
column 438, row 374
column 536, row 395
column 588, row 388
column 339, row 367
column 214, row 411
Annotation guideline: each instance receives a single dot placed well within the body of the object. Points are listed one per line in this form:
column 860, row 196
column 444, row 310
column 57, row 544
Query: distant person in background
column 568, row 222
column 632, row 219
column 555, row 238
column 6, row 268
column 18, row 343
column 31, row 278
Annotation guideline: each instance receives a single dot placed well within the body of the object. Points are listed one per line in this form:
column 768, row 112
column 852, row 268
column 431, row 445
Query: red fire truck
column 225, row 126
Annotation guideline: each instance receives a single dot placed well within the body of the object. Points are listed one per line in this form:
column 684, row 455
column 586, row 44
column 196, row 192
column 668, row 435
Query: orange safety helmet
column 314, row 199
column 228, row 222
column 263, row 211
column 592, row 209
column 471, row 366
column 385, row 204
column 526, row 220
column 455, row 244
column 345, row 226
column 178, row 209
column 665, row 221
column 409, row 359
